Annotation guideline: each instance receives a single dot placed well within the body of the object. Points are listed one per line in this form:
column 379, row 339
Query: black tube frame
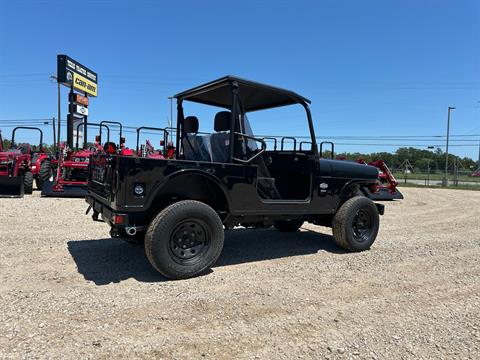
column 165, row 134
column 27, row 128
column 85, row 124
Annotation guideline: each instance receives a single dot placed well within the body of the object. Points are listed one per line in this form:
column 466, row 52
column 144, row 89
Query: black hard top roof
column 253, row 95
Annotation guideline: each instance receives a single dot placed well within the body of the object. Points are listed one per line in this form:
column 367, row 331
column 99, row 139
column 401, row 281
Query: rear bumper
column 116, row 219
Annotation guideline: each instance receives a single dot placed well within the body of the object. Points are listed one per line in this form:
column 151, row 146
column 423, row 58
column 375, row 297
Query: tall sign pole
column 59, row 118
column 78, row 78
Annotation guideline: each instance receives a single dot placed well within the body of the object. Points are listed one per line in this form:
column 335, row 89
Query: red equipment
column 148, row 149
column 70, row 178
column 20, row 165
column 386, row 186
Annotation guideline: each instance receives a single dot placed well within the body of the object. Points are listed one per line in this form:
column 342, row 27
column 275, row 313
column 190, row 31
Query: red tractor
column 386, row 185
column 21, row 165
column 69, row 179
column 148, row 150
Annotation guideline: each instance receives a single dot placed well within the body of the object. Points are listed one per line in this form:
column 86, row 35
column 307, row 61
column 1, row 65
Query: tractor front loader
column 16, row 176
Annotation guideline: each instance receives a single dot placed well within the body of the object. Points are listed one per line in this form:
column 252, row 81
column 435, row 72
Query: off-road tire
column 288, row 225
column 28, row 182
column 44, row 174
column 188, row 220
column 346, row 227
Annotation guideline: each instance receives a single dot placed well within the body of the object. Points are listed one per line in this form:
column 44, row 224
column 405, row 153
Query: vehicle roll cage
column 120, row 128
column 26, row 128
column 100, row 125
column 227, row 93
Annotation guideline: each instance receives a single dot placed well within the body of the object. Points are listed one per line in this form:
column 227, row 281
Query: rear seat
column 220, row 141
column 195, row 147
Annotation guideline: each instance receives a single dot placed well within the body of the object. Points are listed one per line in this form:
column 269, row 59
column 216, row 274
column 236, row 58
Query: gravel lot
column 69, row 291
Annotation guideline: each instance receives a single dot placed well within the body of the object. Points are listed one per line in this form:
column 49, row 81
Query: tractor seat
column 195, row 147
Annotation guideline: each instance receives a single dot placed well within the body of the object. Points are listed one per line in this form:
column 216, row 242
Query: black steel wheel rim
column 189, row 240
column 362, row 225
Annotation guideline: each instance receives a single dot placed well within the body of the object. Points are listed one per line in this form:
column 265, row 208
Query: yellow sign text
column 83, row 84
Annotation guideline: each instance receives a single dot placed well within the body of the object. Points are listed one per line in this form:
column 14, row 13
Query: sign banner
column 80, row 109
column 71, row 72
column 83, row 84
column 79, row 99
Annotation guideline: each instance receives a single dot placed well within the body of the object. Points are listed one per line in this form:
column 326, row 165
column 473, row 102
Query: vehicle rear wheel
column 44, row 174
column 355, row 225
column 288, row 225
column 28, row 182
column 184, row 239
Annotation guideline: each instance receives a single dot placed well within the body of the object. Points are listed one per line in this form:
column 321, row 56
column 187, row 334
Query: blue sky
column 371, row 68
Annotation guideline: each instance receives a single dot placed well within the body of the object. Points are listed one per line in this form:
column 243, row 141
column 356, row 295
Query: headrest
column 190, row 124
column 222, row 121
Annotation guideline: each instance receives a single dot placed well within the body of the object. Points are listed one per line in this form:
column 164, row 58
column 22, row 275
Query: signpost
column 80, row 78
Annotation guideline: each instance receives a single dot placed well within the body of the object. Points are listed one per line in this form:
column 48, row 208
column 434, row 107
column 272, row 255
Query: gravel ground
column 69, row 291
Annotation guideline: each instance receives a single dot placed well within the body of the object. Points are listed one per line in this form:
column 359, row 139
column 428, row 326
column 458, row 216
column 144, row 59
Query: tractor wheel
column 184, row 240
column 355, row 225
column 28, row 182
column 288, row 225
column 45, row 173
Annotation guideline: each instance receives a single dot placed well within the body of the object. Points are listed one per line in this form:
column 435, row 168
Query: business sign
column 79, row 99
column 72, row 73
column 78, row 110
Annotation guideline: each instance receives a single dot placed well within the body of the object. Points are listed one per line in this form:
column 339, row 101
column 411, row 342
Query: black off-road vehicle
column 180, row 207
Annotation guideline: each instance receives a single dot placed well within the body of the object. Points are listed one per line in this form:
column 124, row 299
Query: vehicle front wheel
column 355, row 225
column 28, row 182
column 44, row 174
column 184, row 239
column 288, row 225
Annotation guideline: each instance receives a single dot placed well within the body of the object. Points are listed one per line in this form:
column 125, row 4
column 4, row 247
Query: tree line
column 420, row 160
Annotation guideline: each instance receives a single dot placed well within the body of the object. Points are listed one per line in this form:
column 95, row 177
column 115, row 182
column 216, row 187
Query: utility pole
column 53, row 128
column 59, row 117
column 445, row 179
column 479, row 155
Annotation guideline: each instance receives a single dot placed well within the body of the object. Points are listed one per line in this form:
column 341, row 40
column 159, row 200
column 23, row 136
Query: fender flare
column 157, row 188
column 349, row 187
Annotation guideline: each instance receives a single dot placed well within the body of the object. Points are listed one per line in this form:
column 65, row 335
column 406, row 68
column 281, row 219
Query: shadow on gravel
column 108, row 261
column 248, row 245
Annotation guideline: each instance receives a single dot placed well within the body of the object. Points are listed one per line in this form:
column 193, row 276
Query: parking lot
column 67, row 290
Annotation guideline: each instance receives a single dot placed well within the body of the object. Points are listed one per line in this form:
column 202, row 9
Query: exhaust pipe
column 131, row 230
